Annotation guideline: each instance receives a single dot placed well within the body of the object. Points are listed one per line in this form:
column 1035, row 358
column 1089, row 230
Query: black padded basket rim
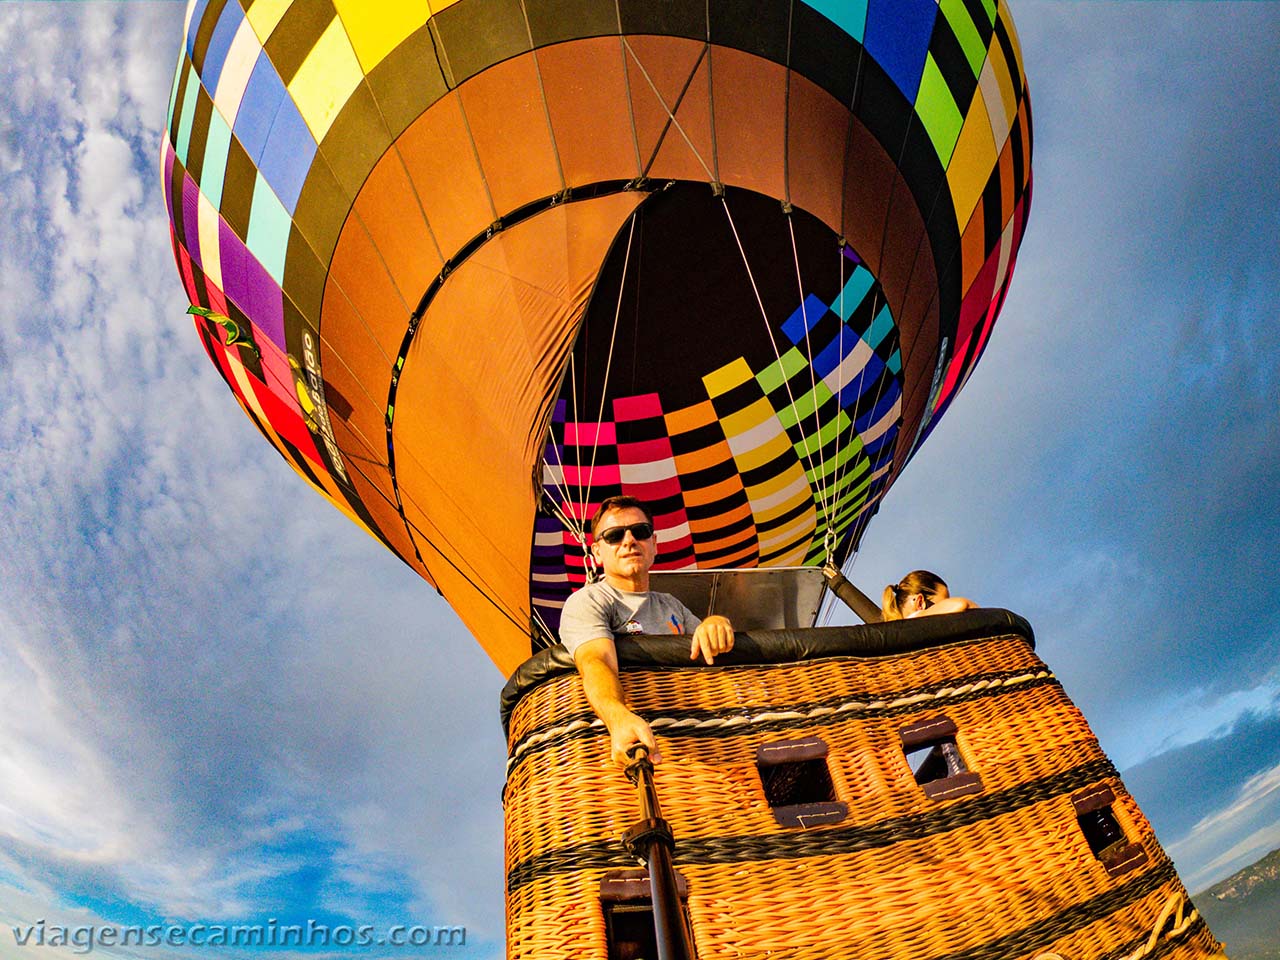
column 758, row 647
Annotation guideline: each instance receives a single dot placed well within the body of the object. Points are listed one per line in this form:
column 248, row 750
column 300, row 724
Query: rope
column 576, row 526
column 670, row 114
column 863, row 519
column 560, row 484
column 786, row 382
column 547, row 632
column 865, row 513
column 1173, row 907
column 577, row 418
column 828, row 607
column 711, row 98
column 608, row 368
column 824, row 500
column 840, row 385
column 579, row 533
column 684, row 724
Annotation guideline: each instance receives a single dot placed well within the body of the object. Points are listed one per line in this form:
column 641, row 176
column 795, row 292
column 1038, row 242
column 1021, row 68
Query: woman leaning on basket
column 920, row 594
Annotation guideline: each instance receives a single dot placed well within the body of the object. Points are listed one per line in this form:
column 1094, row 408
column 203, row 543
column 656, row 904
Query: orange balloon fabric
column 491, row 261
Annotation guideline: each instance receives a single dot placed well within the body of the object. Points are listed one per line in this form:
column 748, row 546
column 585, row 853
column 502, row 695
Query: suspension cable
column 875, row 400
column 671, row 116
column 821, row 485
column 808, row 456
column 830, row 547
column 558, row 510
column 536, row 616
column 608, row 368
column 864, row 516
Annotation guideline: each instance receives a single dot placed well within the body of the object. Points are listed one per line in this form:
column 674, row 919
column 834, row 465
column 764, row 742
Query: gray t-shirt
column 602, row 610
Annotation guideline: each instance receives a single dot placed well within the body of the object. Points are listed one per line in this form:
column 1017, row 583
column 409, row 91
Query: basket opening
column 797, row 782
column 629, row 930
column 1103, row 832
column 935, row 760
column 626, row 900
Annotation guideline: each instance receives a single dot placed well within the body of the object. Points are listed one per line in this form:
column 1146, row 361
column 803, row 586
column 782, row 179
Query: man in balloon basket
column 624, row 545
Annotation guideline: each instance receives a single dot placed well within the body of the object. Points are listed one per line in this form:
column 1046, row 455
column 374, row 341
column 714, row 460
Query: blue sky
column 192, row 729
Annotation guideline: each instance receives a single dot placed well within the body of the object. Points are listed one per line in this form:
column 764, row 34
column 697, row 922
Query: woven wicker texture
column 1005, row 871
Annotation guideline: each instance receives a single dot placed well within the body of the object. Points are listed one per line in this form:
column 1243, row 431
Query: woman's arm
column 949, row 605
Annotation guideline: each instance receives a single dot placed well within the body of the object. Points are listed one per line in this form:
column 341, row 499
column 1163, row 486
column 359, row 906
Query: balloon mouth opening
column 737, row 368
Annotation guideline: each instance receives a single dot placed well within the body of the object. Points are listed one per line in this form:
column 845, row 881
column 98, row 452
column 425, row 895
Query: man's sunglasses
column 615, row 535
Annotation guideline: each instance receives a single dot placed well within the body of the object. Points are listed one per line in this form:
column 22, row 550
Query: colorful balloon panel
column 490, row 261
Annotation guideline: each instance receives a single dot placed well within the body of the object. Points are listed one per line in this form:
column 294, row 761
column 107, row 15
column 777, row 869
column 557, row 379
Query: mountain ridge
column 1243, row 911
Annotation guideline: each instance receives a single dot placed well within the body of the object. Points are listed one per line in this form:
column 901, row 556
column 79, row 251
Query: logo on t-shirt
column 631, row 626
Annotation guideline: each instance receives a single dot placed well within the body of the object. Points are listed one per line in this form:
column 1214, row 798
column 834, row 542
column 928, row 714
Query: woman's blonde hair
column 917, row 581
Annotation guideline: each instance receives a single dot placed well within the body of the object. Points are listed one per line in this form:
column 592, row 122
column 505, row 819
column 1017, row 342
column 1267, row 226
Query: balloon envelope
column 472, row 266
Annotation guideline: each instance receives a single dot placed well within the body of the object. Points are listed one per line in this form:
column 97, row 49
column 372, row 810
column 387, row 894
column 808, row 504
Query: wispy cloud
column 1256, row 790
column 1112, row 470
column 1236, row 835
column 218, row 699
column 60, row 799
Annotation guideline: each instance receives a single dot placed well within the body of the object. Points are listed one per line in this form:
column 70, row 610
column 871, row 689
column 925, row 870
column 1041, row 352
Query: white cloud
column 1257, row 789
column 55, row 793
column 208, row 672
column 227, row 669
column 1233, row 837
column 1109, row 470
column 87, row 788
column 1199, row 715
column 10, row 150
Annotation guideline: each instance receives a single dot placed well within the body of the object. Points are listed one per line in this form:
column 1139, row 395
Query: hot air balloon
column 503, row 260
column 472, row 266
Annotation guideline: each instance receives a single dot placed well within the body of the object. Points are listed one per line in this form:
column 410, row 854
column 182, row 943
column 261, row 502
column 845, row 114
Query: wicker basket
column 807, row 825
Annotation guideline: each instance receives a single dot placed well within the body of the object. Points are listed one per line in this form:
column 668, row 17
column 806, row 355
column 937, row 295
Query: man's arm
column 714, row 635
column 597, row 662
